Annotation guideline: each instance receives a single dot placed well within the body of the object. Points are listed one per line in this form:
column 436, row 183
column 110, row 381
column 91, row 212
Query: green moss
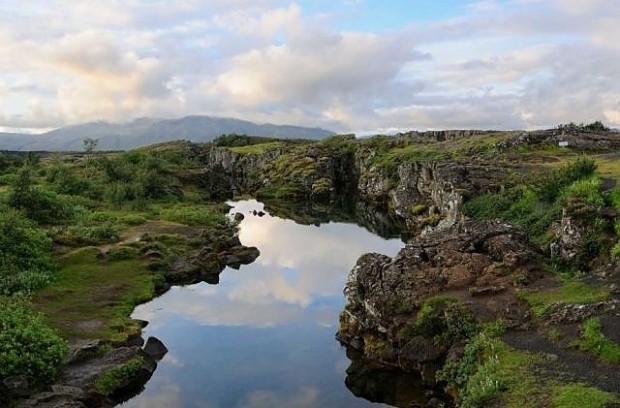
column 595, row 342
column 572, row 292
column 281, row 191
column 94, row 297
column 257, row 149
column 194, row 215
column 418, row 209
column 581, row 396
column 492, row 372
column 118, row 376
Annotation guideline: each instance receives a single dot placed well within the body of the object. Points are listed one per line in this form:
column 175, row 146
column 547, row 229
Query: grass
column 93, row 297
column 595, row 342
column 194, row 215
column 257, row 148
column 581, row 396
column 493, row 371
column 572, row 292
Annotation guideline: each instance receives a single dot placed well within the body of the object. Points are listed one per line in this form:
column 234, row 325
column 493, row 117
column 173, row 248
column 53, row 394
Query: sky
column 363, row 66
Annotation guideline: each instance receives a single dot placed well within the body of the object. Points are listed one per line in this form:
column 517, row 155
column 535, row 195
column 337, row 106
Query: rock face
column 426, row 195
column 439, row 272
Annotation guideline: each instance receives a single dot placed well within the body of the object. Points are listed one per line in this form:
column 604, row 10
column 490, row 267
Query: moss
column 257, row 149
column 581, row 396
column 418, row 209
column 119, row 376
column 492, row 372
column 595, row 342
column 94, row 297
column 572, row 292
column 322, row 187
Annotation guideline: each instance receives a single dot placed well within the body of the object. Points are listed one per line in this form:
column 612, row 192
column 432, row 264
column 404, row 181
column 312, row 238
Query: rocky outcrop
column 428, row 195
column 395, row 306
column 564, row 138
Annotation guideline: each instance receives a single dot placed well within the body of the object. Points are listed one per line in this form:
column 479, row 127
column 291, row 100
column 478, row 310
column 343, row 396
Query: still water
column 264, row 336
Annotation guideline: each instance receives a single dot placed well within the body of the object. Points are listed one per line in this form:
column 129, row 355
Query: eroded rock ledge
column 437, row 283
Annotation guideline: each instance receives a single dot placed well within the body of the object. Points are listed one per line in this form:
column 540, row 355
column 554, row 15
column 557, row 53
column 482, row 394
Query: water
column 264, row 336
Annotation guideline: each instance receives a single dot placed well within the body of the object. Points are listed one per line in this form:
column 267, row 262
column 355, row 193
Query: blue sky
column 352, row 65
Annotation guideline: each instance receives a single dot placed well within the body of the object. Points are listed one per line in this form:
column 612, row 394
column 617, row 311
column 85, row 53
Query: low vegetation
column 595, row 342
column 64, row 272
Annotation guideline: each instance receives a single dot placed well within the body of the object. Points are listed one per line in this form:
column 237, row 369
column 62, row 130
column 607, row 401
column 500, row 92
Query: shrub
column 27, row 346
column 39, row 204
column 76, row 235
column 25, row 262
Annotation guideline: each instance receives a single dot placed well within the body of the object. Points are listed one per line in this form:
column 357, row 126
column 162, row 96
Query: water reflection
column 263, row 337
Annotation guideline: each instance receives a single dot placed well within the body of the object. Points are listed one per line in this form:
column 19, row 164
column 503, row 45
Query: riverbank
column 125, row 226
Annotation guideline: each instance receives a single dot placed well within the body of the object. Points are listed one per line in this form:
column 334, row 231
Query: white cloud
column 521, row 63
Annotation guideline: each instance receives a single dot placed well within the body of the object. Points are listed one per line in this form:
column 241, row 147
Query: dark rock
column 155, row 348
column 153, row 254
column 66, row 390
column 81, row 350
column 384, row 294
column 238, row 217
column 241, row 256
column 419, row 350
column 485, row 290
column 260, row 213
column 17, row 385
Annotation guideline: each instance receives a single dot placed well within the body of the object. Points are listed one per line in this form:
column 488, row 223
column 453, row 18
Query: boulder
column 155, row 348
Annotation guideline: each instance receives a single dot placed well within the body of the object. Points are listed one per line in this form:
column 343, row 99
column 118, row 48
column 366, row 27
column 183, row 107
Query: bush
column 76, row 235
column 27, row 346
column 25, row 262
column 41, row 205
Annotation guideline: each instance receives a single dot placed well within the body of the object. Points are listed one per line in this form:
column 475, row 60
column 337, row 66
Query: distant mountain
column 146, row 131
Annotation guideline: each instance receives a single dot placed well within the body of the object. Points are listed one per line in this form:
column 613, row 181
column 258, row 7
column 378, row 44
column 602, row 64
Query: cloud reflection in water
column 264, row 336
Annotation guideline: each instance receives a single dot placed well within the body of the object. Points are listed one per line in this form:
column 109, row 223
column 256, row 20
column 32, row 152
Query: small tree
column 90, row 144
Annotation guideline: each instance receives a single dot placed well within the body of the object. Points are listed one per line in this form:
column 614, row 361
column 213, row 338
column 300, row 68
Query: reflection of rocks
column 380, row 384
column 348, row 210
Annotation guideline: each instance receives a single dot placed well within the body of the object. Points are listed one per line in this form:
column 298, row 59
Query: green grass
column 581, row 396
column 93, row 297
column 194, row 215
column 572, row 292
column 491, row 371
column 595, row 342
column 257, row 148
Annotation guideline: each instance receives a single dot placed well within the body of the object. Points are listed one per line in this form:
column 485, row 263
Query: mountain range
column 146, row 131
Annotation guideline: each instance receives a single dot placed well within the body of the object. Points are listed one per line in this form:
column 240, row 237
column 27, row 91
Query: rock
column 17, row 385
column 238, row 217
column 241, row 256
column 485, row 290
column 69, row 391
column 419, row 350
column 155, row 348
column 260, row 213
column 82, row 350
column 384, row 294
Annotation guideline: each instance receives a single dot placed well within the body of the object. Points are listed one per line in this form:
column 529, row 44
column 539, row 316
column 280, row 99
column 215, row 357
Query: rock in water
column 155, row 348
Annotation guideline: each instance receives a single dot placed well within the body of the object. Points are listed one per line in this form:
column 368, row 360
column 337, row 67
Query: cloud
column 294, row 62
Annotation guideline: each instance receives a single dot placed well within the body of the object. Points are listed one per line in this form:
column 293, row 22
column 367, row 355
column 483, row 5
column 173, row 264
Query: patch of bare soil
column 565, row 363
